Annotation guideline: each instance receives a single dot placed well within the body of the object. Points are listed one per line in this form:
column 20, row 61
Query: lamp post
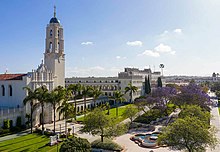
column 161, row 67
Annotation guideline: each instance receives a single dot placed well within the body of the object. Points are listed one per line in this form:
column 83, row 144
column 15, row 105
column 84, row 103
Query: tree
column 118, row 96
column 146, row 86
column 86, row 91
column 96, row 122
column 66, row 109
column 55, row 97
column 217, row 93
column 195, row 111
column 41, row 95
column 148, row 83
column 188, row 134
column 131, row 89
column 159, row 82
column 74, row 88
column 130, row 112
column 31, row 96
column 192, row 94
column 75, row 144
column 96, row 93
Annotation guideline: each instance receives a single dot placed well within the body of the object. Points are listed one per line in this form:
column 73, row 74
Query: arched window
column 58, row 33
column 10, row 90
column 51, row 33
column 58, row 46
column 3, row 90
column 50, row 47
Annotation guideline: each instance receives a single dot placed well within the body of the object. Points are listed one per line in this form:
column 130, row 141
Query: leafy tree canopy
column 189, row 134
column 76, row 145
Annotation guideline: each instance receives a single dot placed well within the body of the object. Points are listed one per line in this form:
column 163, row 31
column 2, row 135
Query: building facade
column 110, row 84
column 50, row 73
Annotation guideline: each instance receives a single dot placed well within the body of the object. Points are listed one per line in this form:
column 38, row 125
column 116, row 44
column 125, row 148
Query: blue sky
column 104, row 36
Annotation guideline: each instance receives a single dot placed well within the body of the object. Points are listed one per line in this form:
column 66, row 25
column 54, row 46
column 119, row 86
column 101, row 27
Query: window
column 3, row 90
column 58, row 46
column 50, row 47
column 10, row 90
column 58, row 33
column 51, row 33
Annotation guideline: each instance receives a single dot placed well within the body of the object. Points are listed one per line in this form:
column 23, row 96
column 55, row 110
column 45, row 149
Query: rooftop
column 11, row 76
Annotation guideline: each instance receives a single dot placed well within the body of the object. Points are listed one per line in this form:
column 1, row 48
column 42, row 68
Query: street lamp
column 161, row 67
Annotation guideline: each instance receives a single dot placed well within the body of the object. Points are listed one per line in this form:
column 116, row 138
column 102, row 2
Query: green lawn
column 31, row 142
column 112, row 113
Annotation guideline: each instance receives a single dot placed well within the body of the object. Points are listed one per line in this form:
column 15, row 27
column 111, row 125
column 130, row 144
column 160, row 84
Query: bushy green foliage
column 195, row 111
column 75, row 144
column 107, row 144
column 18, row 121
column 130, row 112
column 188, row 133
column 6, row 124
column 150, row 116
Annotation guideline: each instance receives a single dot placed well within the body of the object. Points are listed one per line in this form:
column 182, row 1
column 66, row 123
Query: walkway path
column 215, row 121
column 15, row 135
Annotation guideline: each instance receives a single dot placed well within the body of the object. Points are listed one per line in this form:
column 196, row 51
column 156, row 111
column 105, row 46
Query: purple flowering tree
column 158, row 98
column 192, row 94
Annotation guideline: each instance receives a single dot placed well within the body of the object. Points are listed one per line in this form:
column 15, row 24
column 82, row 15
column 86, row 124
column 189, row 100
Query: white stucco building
column 51, row 73
column 110, row 84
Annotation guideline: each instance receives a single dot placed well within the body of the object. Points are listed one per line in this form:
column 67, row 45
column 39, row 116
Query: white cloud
column 149, row 53
column 134, row 43
column 164, row 33
column 178, row 31
column 119, row 57
column 161, row 48
column 87, row 43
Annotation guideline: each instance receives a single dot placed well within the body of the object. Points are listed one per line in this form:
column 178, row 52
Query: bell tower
column 54, row 56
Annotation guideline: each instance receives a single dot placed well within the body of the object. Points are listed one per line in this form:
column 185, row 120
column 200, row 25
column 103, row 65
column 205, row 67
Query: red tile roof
column 11, row 76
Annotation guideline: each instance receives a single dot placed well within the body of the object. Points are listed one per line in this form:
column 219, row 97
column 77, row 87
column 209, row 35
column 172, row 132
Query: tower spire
column 54, row 13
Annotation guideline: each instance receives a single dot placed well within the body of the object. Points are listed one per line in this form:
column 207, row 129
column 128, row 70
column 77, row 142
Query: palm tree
column 118, row 97
column 55, row 97
column 30, row 99
column 74, row 89
column 96, row 93
column 86, row 91
column 66, row 109
column 41, row 95
column 131, row 89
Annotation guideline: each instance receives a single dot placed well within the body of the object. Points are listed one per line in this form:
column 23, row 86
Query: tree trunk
column 102, row 138
column 42, row 108
column 74, row 109
column 84, row 106
column 117, row 109
column 65, row 127
column 31, row 117
column 54, row 118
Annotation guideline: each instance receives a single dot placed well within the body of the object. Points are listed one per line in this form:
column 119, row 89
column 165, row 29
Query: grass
column 112, row 113
column 30, row 142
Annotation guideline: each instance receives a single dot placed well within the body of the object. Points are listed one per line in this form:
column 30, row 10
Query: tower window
column 58, row 33
column 10, row 90
column 58, row 46
column 3, row 90
column 50, row 47
column 51, row 33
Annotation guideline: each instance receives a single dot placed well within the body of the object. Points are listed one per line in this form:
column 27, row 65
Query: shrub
column 6, row 124
column 149, row 116
column 75, row 144
column 18, row 122
column 11, row 123
column 107, row 144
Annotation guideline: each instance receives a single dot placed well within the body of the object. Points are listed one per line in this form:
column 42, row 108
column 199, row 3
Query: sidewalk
column 215, row 121
column 14, row 135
